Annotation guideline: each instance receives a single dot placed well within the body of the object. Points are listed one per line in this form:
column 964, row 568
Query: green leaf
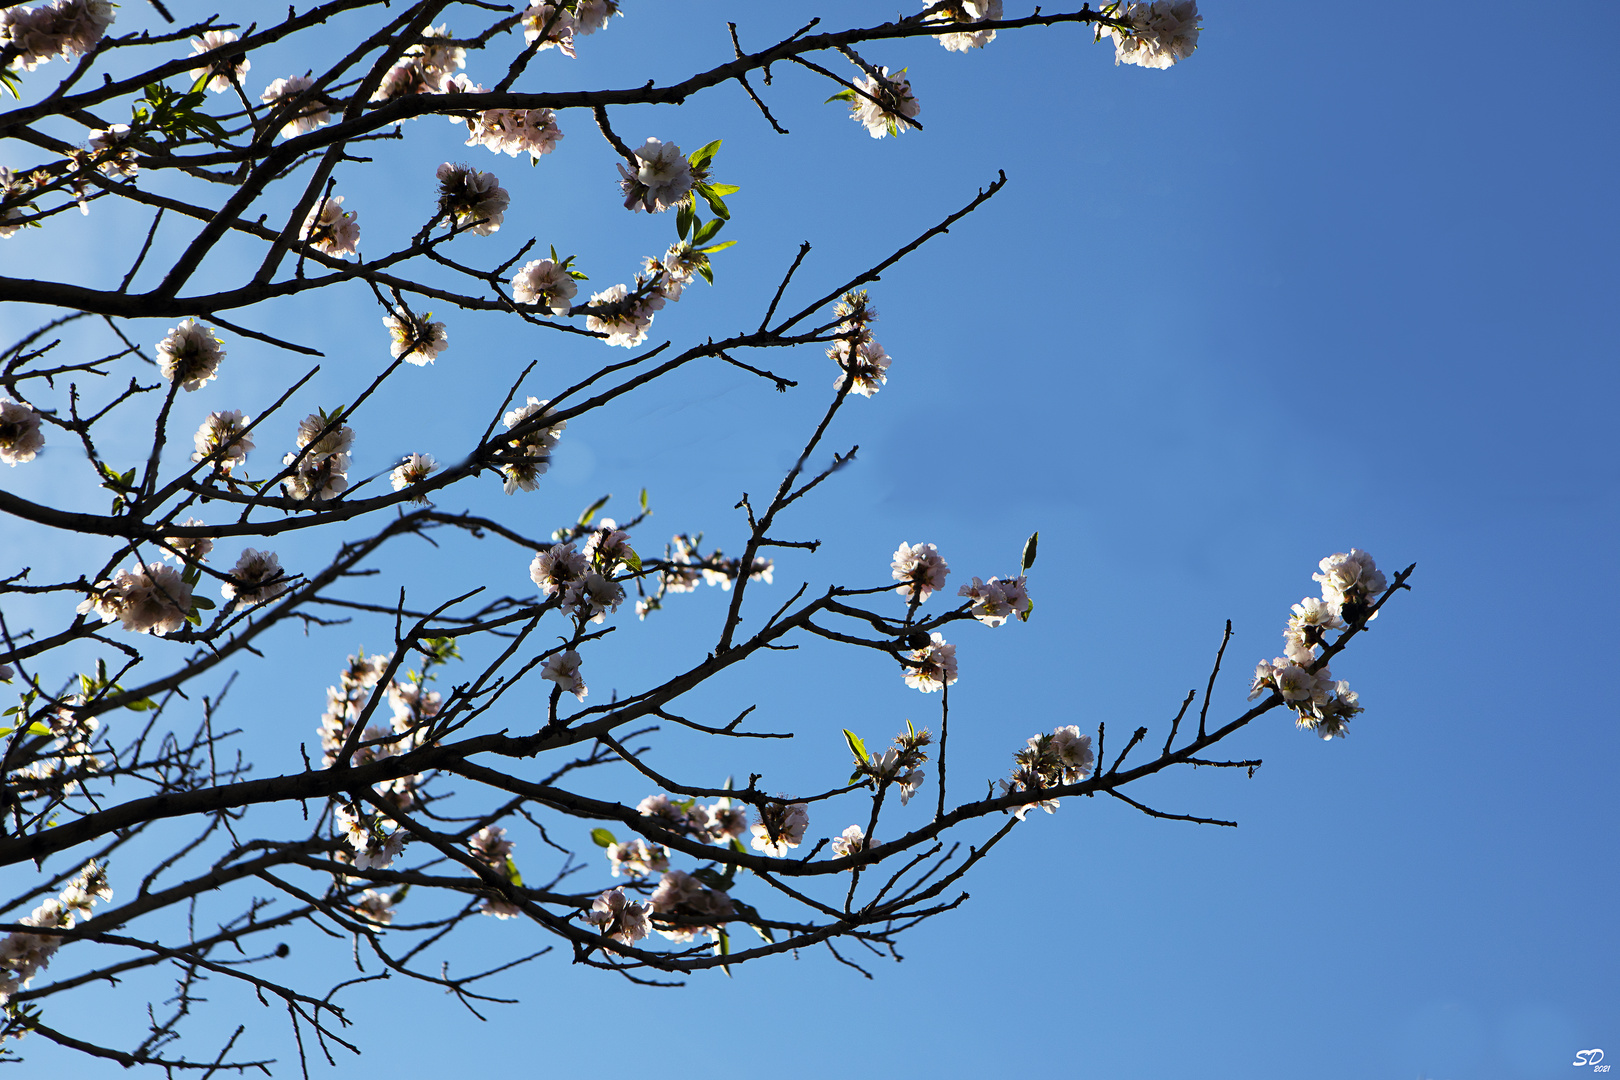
column 590, row 511
column 707, row 230
column 512, row 874
column 143, row 705
column 714, row 201
column 722, row 947
column 643, row 500
column 1023, row 616
column 712, row 248
column 633, row 561
column 842, row 95
column 703, row 154
column 192, row 575
column 706, row 273
column 1029, row 552
column 202, row 603
column 685, row 216
column 603, row 838
column 856, row 746
column 710, row 877
column 723, row 189
column 35, row 728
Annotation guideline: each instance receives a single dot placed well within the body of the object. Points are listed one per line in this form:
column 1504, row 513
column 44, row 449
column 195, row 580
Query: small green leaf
column 712, row 248
column 590, row 511
column 856, row 746
column 684, row 219
column 1023, row 616
column 707, row 230
column 706, row 273
column 512, row 874
column 603, row 838
column 714, row 201
column 723, row 189
column 202, row 603
column 703, row 154
column 35, row 728
column 632, row 560
column 842, row 95
column 192, row 575
column 143, row 705
column 1029, row 552
column 643, row 500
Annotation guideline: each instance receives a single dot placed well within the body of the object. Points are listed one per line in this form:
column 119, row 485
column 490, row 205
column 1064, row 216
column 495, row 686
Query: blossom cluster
column 685, row 908
column 331, row 230
column 884, row 103
column 780, row 827
column 411, row 704
column 506, row 131
column 490, row 847
column 416, row 339
column 525, row 458
column 1155, row 35
column 1047, row 761
column 423, row 68
column 921, row 571
column 24, row 954
column 997, row 600
column 624, row 313
column 322, row 458
column 411, row 471
column 660, row 176
column 256, row 578
column 931, row 667
column 555, row 25
column 581, row 583
column 686, row 567
column 190, row 355
column 222, row 74
column 470, row 200
column 20, row 434
column 224, row 434
column 374, row 842
column 546, row 283
column 862, row 362
column 291, row 97
column 618, row 918
column 65, row 28
column 967, row 11
column 717, row 823
column 897, row 765
column 147, row 599
column 1351, row 584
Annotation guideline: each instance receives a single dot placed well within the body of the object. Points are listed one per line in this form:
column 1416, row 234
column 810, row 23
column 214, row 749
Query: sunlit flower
column 149, row 599
column 920, row 570
column 1159, row 34
column 885, row 104
column 563, row 669
column 330, row 230
column 661, row 178
column 413, row 470
column 226, row 433
column 257, row 577
column 931, row 667
column 968, row 11
column 308, row 112
column 780, row 827
column 190, row 355
column 416, row 340
column 617, row 918
column 223, row 73
column 20, row 435
column 546, row 284
column 471, row 200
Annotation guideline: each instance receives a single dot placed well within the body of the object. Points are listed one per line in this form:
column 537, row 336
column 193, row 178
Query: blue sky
column 1332, row 282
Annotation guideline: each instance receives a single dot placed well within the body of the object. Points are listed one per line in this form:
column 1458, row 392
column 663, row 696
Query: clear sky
column 1343, row 278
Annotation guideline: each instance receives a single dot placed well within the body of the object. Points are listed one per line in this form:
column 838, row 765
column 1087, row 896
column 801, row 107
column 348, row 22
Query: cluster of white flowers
column 637, row 858
column 627, row 322
column 717, row 823
column 413, row 470
column 861, row 361
column 412, row 708
column 920, row 570
column 330, row 230
column 23, row 954
column 885, row 103
column 424, row 68
column 20, row 434
column 506, row 131
column 222, row 74
column 968, row 11
column 563, row 669
column 899, row 763
column 374, row 841
column 780, row 827
column 471, row 200
column 1157, row 34
column 931, row 667
column 852, row 842
column 375, row 907
column 525, row 458
column 415, row 338
column 147, row 599
column 618, row 919
column 688, row 567
column 688, row 908
column 1063, row 757
column 490, row 846
column 72, row 755
column 190, row 355
column 256, row 578
column 996, row 600
column 546, row 283
column 188, row 549
column 112, row 150
column 224, row 433
column 661, row 177
column 555, row 26
column 65, row 28
column 307, row 111
column 1351, row 584
column 323, row 471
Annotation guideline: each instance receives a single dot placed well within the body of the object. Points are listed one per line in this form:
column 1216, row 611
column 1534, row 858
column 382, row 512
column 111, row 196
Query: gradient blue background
column 1342, row 278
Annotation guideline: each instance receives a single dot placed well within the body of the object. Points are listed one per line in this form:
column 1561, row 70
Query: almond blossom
column 525, row 458
column 617, row 918
column 222, row 74
column 308, row 112
column 146, row 599
column 884, row 104
column 563, row 669
column 1156, row 35
column 545, row 283
column 190, row 355
column 920, row 570
column 413, row 470
column 968, row 11
column 331, row 231
column 471, row 200
column 931, row 667
column 662, row 177
column 224, row 434
column 780, row 827
column 65, row 28
column 416, row 339
column 257, row 577
column 20, row 436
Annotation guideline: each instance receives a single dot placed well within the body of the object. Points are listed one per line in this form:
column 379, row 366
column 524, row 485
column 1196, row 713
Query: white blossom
column 592, row 597
column 629, row 326
column 866, row 373
column 222, row 74
column 416, row 340
column 375, row 907
column 190, row 355
column 852, row 842
column 308, row 114
column 996, row 600
column 1160, row 33
column 780, row 827
column 424, row 68
column 550, row 24
column 1311, row 619
column 554, row 568
column 65, row 28
column 563, row 669
column 968, row 11
column 920, row 570
column 114, row 154
column 20, row 435
column 413, row 470
column 679, row 895
column 471, row 200
column 546, row 284
column 525, row 459
column 637, row 858
column 147, row 599
column 225, row 432
column 328, row 229
column 514, row 131
column 933, row 666
column 662, row 177
column 187, row 549
column 1352, row 579
column 1074, row 752
column 885, row 103
column 257, row 577
column 617, row 918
